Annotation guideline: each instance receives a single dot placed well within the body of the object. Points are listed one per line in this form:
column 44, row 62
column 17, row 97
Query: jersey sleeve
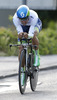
column 31, row 31
column 37, row 26
column 17, row 24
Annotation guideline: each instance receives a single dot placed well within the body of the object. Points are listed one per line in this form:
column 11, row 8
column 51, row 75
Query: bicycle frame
column 27, row 54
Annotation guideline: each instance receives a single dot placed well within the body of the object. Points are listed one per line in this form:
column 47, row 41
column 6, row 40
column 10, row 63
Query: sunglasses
column 24, row 19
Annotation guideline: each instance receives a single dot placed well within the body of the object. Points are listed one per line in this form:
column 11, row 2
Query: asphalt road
column 46, row 87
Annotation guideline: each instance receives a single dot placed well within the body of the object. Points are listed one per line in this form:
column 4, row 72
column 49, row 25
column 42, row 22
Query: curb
column 48, row 68
column 7, row 76
column 40, row 69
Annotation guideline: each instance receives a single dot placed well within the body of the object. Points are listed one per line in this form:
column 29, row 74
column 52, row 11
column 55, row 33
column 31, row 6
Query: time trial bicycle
column 27, row 54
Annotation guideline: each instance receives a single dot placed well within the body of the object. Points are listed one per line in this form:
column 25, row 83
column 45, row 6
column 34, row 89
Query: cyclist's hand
column 20, row 35
column 25, row 35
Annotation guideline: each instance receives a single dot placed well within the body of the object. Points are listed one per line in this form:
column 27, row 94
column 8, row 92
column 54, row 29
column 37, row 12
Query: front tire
column 22, row 88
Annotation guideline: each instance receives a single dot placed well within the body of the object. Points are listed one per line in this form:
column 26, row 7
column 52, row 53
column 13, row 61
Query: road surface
column 46, row 88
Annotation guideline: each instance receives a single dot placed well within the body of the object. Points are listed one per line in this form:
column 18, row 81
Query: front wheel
column 22, row 60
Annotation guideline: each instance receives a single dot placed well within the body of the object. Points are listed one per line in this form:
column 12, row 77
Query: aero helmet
column 23, row 12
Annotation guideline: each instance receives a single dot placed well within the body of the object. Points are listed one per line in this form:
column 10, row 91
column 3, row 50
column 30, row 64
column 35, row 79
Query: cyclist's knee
column 35, row 41
column 20, row 48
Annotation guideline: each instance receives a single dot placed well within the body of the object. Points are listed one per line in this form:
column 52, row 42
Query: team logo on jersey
column 22, row 14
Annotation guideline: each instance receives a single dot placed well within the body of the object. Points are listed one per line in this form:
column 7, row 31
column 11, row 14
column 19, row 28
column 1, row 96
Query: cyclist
column 28, row 24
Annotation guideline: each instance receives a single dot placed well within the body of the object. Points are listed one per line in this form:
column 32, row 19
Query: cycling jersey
column 33, row 23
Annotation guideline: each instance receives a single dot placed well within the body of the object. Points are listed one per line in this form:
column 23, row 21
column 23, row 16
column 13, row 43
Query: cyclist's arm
column 38, row 25
column 35, row 28
column 17, row 24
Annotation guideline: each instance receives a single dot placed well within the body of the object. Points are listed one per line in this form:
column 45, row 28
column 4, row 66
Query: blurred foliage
column 7, row 36
column 48, row 39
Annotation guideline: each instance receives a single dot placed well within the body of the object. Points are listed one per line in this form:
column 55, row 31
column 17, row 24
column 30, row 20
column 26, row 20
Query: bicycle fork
column 26, row 57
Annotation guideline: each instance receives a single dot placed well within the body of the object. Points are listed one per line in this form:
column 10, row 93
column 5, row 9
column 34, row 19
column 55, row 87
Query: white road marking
column 9, row 87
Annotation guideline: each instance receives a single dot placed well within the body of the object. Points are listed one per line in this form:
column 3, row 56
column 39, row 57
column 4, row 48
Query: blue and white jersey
column 33, row 22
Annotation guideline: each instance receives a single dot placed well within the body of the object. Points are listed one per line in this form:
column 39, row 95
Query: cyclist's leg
column 35, row 41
